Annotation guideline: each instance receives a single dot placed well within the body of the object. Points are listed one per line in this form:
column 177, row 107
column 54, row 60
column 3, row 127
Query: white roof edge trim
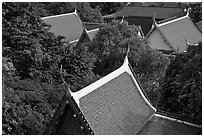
column 66, row 14
column 53, row 16
column 77, row 95
column 92, row 30
column 171, row 21
column 140, row 90
column 74, row 41
column 179, row 121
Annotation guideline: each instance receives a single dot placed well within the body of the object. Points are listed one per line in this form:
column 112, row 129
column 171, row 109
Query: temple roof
column 117, row 105
column 174, row 33
column 68, row 25
column 158, row 12
column 91, row 25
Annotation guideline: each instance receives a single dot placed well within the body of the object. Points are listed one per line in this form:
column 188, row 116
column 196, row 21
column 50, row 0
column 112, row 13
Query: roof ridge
column 165, row 20
column 172, row 21
column 88, row 89
column 59, row 15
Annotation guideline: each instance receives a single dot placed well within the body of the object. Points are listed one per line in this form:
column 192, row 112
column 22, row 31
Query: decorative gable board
column 68, row 25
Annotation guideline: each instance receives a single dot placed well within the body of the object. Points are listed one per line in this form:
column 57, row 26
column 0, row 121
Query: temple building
column 171, row 35
column 114, row 105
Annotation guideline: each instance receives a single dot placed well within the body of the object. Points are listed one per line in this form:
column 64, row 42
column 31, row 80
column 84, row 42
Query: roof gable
column 159, row 13
column 68, row 25
column 177, row 32
column 115, row 104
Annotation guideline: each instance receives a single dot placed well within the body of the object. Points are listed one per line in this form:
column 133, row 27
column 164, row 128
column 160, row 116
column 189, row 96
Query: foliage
column 107, row 8
column 196, row 11
column 110, row 46
column 86, row 13
column 32, row 57
column 182, row 87
column 106, row 45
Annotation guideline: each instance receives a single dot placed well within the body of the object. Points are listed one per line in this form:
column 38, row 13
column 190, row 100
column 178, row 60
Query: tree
column 110, row 46
column 196, row 11
column 32, row 88
column 86, row 13
column 182, row 87
column 107, row 8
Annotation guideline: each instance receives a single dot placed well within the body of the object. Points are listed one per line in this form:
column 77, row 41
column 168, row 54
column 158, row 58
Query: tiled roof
column 91, row 26
column 115, row 104
column 162, row 125
column 86, row 36
column 160, row 13
column 68, row 25
column 199, row 25
column 173, row 34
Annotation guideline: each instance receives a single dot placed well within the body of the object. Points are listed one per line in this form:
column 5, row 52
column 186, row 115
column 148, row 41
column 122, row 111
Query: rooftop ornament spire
column 75, row 11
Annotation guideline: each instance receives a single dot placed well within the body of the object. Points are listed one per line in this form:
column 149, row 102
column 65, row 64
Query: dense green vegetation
column 32, row 56
column 181, row 90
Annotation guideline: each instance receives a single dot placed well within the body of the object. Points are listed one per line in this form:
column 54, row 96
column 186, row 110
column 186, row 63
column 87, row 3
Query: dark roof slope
column 159, row 125
column 91, row 26
column 199, row 25
column 159, row 13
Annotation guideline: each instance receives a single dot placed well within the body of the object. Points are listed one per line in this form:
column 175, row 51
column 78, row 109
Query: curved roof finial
column 188, row 11
column 75, row 11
